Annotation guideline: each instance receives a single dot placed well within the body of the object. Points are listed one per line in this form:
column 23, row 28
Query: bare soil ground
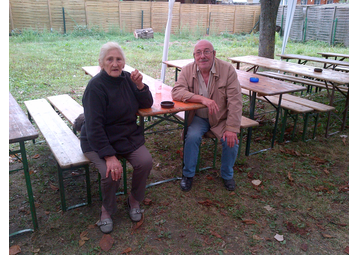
column 304, row 196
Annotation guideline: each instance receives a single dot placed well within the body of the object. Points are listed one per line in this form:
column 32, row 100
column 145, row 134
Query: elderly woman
column 110, row 102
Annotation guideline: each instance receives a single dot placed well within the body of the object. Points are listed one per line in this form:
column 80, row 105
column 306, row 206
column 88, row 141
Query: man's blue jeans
column 196, row 130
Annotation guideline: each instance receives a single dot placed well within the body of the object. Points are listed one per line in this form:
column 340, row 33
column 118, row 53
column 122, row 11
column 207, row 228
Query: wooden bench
column 296, row 105
column 64, row 144
column 305, row 81
column 70, row 109
column 245, row 123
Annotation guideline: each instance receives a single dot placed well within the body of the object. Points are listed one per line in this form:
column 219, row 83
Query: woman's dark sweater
column 110, row 106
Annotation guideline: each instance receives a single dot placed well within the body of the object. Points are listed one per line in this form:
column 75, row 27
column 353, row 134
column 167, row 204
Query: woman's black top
column 110, row 106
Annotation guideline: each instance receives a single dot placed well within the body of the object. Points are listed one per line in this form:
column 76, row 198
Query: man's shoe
column 230, row 184
column 185, row 183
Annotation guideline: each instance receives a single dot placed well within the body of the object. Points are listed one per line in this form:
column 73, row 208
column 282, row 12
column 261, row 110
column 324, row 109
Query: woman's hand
column 115, row 167
column 137, row 78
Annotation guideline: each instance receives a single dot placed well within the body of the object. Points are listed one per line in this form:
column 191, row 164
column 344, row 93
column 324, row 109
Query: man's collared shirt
column 204, row 90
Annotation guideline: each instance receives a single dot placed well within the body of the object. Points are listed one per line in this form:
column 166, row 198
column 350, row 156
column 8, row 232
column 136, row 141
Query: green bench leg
column 198, row 169
column 305, row 124
column 283, row 123
column 62, row 188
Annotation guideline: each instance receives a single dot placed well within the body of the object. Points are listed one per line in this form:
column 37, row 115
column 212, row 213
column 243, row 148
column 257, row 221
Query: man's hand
column 115, row 167
column 212, row 106
column 230, row 138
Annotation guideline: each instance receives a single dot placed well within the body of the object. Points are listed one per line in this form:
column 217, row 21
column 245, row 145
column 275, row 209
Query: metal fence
column 61, row 15
column 327, row 23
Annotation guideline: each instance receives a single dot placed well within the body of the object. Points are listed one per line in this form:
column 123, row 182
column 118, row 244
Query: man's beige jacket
column 225, row 91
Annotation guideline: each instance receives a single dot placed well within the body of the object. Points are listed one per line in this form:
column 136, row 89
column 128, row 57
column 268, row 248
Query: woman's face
column 113, row 63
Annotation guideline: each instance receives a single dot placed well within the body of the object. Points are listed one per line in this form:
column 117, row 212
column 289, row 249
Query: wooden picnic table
column 178, row 64
column 21, row 130
column 165, row 95
column 304, row 59
column 328, row 76
column 334, row 55
column 265, row 87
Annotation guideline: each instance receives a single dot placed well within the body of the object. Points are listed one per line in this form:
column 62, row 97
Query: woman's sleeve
column 94, row 103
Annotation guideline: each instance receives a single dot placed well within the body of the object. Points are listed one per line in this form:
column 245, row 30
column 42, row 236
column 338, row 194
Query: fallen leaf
column 250, row 222
column 106, row 242
column 138, row 224
column 344, row 188
column 290, row 177
column 318, row 160
column 326, row 171
column 256, row 237
column 232, row 193
column 15, row 249
column 206, row 202
column 128, row 250
column 147, row 201
column 81, row 242
column 304, row 247
column 83, row 238
column 256, row 182
column 53, row 187
column 344, row 141
column 279, row 237
column 255, row 196
column 346, row 250
column 36, row 156
column 210, row 178
column 36, row 250
column 268, row 208
column 215, row 234
column 250, row 175
column 326, row 235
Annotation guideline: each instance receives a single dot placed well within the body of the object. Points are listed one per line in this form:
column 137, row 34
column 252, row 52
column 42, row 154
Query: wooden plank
column 309, row 103
column 304, row 70
column 288, row 104
column 245, row 122
column 20, row 128
column 63, row 143
column 67, row 106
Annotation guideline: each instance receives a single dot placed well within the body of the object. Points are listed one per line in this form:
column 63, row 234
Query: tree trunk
column 269, row 9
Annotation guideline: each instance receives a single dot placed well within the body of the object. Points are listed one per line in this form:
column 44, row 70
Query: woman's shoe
column 106, row 225
column 136, row 213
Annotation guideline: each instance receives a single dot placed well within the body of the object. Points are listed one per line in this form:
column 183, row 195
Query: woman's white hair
column 106, row 48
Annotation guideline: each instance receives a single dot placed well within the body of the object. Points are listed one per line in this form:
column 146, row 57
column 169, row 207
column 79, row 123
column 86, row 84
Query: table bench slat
column 67, row 106
column 63, row 143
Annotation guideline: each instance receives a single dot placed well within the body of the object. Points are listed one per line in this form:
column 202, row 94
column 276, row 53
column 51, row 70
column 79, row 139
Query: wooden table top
column 331, row 54
column 165, row 95
column 180, row 63
column 304, row 70
column 20, row 128
column 314, row 59
column 266, row 86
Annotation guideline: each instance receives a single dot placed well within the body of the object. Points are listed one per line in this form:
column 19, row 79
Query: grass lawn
column 304, row 194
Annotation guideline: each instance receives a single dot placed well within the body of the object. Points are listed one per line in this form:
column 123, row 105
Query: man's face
column 204, row 55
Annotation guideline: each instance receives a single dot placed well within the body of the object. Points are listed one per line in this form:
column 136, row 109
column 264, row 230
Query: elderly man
column 212, row 82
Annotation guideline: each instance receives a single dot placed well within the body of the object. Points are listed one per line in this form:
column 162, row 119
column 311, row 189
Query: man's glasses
column 206, row 53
